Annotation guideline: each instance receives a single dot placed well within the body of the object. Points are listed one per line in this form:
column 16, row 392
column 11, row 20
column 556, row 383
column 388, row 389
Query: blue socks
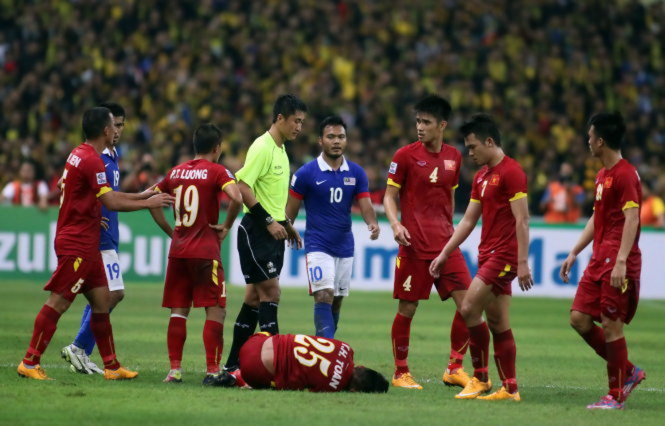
column 323, row 320
column 85, row 339
column 336, row 318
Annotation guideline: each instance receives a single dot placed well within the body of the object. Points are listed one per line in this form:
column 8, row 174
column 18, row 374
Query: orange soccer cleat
column 36, row 373
column 120, row 374
column 406, row 381
column 474, row 388
column 501, row 394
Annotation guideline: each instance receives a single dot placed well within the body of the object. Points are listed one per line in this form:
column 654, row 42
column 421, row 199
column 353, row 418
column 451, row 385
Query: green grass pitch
column 557, row 372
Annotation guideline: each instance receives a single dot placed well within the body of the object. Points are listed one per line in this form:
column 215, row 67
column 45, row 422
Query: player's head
column 118, row 118
column 97, row 123
column 288, row 115
column 432, row 114
column 606, row 129
column 367, row 380
column 26, row 173
column 332, row 136
column 481, row 138
column 208, row 140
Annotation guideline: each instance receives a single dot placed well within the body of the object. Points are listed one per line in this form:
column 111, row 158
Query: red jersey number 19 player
column 609, row 289
column 424, row 176
column 194, row 274
column 80, row 268
column 499, row 195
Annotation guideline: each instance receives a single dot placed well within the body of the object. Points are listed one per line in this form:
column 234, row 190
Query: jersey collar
column 113, row 154
column 326, row 168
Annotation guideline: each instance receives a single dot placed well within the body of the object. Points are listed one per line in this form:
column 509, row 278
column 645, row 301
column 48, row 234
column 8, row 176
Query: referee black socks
column 268, row 317
column 244, row 327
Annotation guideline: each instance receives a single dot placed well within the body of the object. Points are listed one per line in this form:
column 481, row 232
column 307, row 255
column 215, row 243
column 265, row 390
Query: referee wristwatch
column 269, row 220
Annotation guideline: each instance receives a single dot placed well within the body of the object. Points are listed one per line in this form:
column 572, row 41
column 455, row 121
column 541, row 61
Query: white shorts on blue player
column 113, row 270
column 327, row 272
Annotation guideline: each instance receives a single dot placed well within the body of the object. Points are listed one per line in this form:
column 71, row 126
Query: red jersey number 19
column 189, row 202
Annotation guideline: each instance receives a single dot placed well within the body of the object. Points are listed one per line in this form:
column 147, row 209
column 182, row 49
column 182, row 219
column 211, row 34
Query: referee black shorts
column 261, row 256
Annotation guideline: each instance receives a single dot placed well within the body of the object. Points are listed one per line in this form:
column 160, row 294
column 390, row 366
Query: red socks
column 479, row 342
column 459, row 342
column 45, row 326
column 401, row 332
column 100, row 324
column 596, row 339
column 175, row 340
column 617, row 357
column 213, row 340
column 504, row 356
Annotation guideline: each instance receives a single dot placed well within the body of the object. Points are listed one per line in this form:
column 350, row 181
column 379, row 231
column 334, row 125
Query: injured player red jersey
column 314, row 363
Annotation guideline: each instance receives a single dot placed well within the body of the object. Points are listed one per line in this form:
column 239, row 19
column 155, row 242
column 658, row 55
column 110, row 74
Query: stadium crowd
column 541, row 67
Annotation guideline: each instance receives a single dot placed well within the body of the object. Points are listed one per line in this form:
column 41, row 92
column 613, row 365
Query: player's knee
column 116, row 297
column 469, row 312
column 580, row 322
column 323, row 296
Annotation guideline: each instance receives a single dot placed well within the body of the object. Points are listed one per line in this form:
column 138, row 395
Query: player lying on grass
column 299, row 362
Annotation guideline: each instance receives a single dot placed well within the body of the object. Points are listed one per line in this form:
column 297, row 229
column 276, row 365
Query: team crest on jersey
column 393, row 168
column 349, row 181
column 494, row 180
column 608, row 182
column 229, row 174
column 421, row 163
column 449, row 164
column 101, row 178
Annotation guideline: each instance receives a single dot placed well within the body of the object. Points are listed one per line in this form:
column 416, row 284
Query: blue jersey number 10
column 335, row 195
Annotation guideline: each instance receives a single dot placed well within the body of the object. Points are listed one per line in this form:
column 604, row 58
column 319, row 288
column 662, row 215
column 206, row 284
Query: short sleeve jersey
column 109, row 237
column 266, row 171
column 617, row 189
column 328, row 196
column 197, row 186
column 309, row 362
column 425, row 181
column 495, row 188
column 83, row 181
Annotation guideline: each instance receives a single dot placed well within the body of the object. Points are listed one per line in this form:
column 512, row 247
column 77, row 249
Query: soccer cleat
column 500, row 395
column 76, row 358
column 120, row 374
column 239, row 381
column 458, row 377
column 406, row 381
column 174, row 376
column 606, row 403
column 474, row 388
column 221, row 379
column 632, row 381
column 37, row 372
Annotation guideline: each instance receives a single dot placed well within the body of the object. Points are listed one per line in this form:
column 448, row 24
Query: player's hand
column 222, row 230
column 618, row 277
column 374, row 231
column 148, row 193
column 401, row 235
column 437, row 263
column 524, row 276
column 293, row 240
column 277, row 231
column 566, row 266
column 105, row 223
column 160, row 200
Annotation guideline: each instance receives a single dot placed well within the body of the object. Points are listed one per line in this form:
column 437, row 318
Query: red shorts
column 413, row 281
column 497, row 273
column 251, row 366
column 594, row 297
column 200, row 281
column 76, row 275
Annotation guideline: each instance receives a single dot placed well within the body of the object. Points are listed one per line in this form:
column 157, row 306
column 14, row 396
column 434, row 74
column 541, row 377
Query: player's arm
column 160, row 219
column 400, row 233
column 235, row 204
column 292, row 207
column 124, row 202
column 520, row 209
column 630, row 226
column 369, row 216
column 582, row 242
column 462, row 232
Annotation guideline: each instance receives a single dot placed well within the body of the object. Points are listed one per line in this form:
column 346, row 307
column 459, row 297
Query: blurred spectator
column 652, row 212
column 26, row 190
column 563, row 198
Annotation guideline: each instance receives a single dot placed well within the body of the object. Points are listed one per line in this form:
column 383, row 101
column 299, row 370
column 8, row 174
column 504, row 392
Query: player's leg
column 176, row 335
column 336, row 310
column 244, row 326
column 505, row 351
column 269, row 294
column 321, row 278
column 343, row 272
column 177, row 296
column 454, row 375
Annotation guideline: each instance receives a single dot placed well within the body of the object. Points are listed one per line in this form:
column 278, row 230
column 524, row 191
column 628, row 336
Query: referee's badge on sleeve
column 393, row 168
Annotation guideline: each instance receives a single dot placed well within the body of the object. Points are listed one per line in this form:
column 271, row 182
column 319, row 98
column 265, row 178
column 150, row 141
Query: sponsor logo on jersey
column 608, row 182
column 319, row 182
column 449, row 164
column 349, row 181
column 393, row 168
column 101, row 178
column 421, row 163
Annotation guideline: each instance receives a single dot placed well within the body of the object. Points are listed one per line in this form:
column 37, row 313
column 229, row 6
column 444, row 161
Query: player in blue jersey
column 78, row 353
column 328, row 186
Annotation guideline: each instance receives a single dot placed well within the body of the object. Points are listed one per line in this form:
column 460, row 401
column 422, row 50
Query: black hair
column 331, row 120
column 206, row 137
column 367, row 380
column 287, row 105
column 116, row 109
column 483, row 126
column 94, row 121
column 436, row 106
column 609, row 126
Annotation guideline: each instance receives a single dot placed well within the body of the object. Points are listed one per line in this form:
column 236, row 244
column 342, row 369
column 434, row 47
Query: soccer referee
column 264, row 184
